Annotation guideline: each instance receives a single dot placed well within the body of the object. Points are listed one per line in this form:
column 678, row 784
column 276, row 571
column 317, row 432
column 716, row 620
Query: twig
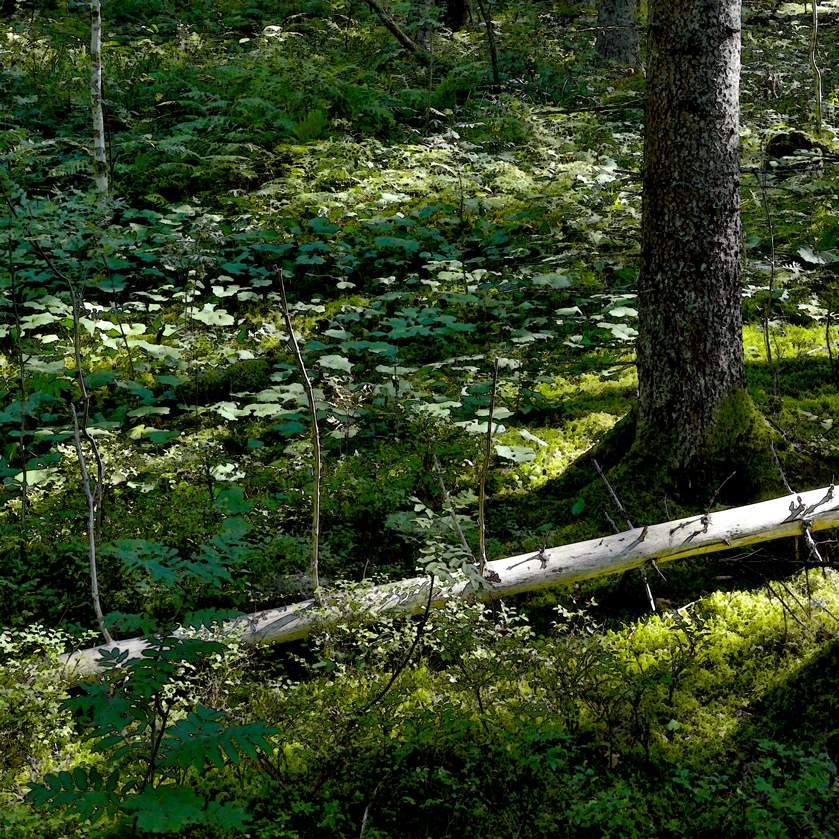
column 484, row 470
column 452, row 513
column 98, row 487
column 404, row 664
column 767, row 310
column 717, row 492
column 493, row 52
column 94, row 496
column 613, row 494
column 390, row 24
column 310, row 394
column 817, row 73
column 363, row 832
column 641, row 568
column 647, row 590
column 21, row 364
column 91, row 528
column 780, row 470
column 798, row 603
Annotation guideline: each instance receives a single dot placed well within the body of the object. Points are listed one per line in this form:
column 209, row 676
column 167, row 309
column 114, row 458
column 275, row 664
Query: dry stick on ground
column 310, row 395
column 808, row 536
column 700, row 534
column 780, row 470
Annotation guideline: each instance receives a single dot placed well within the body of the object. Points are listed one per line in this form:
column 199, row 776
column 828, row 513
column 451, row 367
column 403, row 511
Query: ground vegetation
column 459, row 240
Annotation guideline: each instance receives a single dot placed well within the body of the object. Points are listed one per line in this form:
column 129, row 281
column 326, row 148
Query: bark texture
column 421, row 16
column 620, row 45
column 690, row 349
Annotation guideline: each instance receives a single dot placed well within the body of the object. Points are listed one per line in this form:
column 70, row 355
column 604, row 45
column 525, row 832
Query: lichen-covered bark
column 619, row 44
column 690, row 350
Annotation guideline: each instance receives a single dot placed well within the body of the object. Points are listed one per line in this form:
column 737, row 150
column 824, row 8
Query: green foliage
column 424, row 225
column 151, row 745
column 35, row 726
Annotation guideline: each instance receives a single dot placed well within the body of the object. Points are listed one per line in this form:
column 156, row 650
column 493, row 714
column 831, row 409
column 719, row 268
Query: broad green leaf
column 228, row 410
column 816, row 257
column 335, row 362
column 38, row 477
column 523, row 432
column 175, row 381
column 620, row 330
column 146, row 410
column 98, row 378
column 395, row 371
column 475, row 427
column 552, row 280
column 623, row 311
column 518, row 454
column 31, row 321
column 228, row 291
column 211, row 316
column 155, row 350
column 227, row 472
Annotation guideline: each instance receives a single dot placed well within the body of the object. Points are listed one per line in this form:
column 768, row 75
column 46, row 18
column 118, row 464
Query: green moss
column 736, row 459
column 739, row 446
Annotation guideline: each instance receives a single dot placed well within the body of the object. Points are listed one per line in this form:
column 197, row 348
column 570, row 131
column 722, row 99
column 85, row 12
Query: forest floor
column 425, row 225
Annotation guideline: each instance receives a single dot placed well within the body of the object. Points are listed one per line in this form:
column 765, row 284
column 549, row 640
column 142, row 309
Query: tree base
column 734, row 466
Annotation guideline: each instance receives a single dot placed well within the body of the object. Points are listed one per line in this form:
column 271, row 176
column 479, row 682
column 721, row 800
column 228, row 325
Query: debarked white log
column 701, row 534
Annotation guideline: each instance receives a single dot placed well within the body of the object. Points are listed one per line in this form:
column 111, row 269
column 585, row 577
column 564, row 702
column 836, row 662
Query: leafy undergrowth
column 424, row 224
column 693, row 722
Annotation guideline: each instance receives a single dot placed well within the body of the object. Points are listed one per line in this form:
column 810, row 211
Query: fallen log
column 792, row 515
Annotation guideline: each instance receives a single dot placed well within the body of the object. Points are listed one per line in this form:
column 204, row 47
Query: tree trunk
column 792, row 515
column 390, row 24
column 690, row 349
column 421, row 17
column 456, row 13
column 100, row 155
column 619, row 45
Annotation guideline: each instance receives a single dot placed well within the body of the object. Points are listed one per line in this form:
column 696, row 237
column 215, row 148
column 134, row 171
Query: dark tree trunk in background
column 690, row 349
column 619, row 45
column 420, row 18
column 456, row 14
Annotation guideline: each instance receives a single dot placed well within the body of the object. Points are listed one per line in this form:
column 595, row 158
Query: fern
column 148, row 755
